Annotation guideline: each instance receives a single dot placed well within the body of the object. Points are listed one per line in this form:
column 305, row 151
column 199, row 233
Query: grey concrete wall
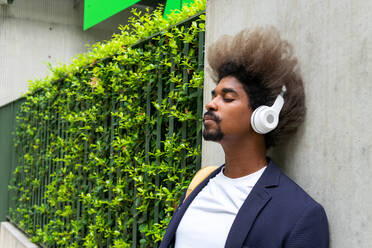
column 331, row 156
column 11, row 237
column 36, row 32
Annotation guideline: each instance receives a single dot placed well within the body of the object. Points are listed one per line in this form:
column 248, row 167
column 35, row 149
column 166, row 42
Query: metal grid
column 44, row 146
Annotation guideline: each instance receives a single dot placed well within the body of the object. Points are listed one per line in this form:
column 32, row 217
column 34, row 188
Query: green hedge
column 108, row 144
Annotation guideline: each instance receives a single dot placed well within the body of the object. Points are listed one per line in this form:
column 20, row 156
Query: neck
column 244, row 156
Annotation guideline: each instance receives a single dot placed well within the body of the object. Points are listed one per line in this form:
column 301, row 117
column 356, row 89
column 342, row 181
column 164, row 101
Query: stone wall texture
column 331, row 155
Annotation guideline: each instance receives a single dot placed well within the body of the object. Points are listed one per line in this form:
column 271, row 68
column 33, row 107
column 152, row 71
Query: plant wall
column 107, row 145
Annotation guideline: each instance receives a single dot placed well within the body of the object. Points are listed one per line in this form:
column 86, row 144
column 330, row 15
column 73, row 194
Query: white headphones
column 265, row 119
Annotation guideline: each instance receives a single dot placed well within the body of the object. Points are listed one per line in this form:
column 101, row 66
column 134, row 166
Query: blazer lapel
column 255, row 202
column 244, row 219
column 180, row 211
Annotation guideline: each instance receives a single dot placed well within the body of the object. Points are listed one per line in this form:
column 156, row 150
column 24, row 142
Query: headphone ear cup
column 264, row 119
column 255, row 119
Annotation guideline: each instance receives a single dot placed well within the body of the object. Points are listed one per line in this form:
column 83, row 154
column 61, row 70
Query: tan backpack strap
column 202, row 174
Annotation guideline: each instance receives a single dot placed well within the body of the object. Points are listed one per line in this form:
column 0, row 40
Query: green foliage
column 107, row 145
column 141, row 26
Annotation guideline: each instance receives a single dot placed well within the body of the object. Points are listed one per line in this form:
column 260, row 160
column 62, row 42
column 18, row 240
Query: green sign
column 96, row 11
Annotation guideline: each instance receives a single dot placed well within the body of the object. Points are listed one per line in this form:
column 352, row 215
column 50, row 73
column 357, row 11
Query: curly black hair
column 263, row 63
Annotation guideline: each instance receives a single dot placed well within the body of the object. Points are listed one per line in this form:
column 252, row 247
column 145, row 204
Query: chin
column 212, row 135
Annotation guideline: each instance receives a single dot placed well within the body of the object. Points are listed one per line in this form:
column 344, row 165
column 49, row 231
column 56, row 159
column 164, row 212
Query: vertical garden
column 107, row 145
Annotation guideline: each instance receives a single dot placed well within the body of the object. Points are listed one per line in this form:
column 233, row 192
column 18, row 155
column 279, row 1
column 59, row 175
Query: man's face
column 228, row 114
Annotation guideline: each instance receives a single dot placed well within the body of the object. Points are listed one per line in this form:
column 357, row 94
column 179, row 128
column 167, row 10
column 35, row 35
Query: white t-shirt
column 207, row 221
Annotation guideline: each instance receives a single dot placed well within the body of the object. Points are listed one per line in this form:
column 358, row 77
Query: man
column 248, row 201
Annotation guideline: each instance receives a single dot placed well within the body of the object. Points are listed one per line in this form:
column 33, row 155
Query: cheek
column 237, row 121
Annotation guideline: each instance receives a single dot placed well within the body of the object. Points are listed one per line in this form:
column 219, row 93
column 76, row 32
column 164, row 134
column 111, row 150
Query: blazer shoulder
column 295, row 193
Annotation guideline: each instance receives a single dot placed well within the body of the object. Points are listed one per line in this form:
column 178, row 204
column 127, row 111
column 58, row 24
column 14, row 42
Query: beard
column 210, row 134
column 213, row 135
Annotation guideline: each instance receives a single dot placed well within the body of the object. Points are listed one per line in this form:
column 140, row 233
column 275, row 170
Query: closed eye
column 228, row 99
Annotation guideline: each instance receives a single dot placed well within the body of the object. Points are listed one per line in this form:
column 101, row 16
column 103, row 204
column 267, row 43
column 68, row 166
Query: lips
column 209, row 118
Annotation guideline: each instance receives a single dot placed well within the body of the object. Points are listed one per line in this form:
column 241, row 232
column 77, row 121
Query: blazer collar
column 255, row 202
column 271, row 175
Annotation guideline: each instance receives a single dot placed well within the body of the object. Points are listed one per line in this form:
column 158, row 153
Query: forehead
column 230, row 82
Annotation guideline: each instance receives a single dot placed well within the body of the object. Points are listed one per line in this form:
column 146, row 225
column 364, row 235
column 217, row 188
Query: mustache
column 212, row 116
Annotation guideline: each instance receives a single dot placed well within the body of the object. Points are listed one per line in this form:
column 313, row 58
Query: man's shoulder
column 291, row 214
column 293, row 197
column 289, row 205
column 287, row 196
column 295, row 190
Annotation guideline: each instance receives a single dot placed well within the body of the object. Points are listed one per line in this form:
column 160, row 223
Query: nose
column 211, row 106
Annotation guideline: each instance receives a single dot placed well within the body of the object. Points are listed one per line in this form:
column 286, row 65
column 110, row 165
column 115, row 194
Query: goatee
column 211, row 135
column 216, row 135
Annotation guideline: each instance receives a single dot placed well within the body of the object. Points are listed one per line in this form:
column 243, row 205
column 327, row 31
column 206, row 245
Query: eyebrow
column 225, row 90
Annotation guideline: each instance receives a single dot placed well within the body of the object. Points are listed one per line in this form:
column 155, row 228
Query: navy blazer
column 277, row 213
